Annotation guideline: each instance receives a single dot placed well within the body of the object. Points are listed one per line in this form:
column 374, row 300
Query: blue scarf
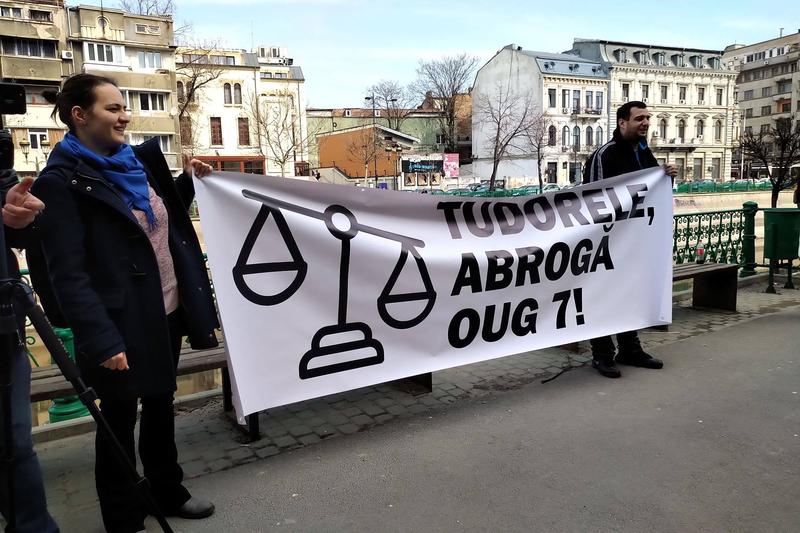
column 122, row 169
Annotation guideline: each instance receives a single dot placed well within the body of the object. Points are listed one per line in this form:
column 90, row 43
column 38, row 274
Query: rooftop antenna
column 781, row 32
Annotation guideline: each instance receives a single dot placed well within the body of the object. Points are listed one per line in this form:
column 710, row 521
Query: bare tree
column 195, row 69
column 512, row 121
column 158, row 8
column 277, row 120
column 394, row 101
column 364, row 148
column 443, row 80
column 537, row 138
column 777, row 148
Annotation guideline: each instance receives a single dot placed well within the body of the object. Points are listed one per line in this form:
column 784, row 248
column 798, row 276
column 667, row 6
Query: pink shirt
column 159, row 239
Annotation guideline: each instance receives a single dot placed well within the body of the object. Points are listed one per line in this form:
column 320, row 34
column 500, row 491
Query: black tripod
column 16, row 301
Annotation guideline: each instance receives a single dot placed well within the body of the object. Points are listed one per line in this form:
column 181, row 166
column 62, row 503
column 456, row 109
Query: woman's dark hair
column 78, row 90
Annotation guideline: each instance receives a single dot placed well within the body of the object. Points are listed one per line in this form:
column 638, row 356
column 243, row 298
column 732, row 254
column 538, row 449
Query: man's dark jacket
column 616, row 157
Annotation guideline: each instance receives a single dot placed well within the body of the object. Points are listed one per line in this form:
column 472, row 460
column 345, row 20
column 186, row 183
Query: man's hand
column 201, row 170
column 21, row 206
column 118, row 362
column 671, row 170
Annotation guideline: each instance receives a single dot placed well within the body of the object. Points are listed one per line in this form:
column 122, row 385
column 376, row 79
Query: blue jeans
column 30, row 505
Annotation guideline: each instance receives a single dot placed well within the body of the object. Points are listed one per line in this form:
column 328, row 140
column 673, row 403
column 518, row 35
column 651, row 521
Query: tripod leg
column 88, row 397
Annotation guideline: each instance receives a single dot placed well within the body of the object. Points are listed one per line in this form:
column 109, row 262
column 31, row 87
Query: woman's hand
column 201, row 170
column 118, row 362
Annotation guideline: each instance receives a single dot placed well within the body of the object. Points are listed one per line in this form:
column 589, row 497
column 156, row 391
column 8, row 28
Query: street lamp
column 374, row 143
column 25, row 146
column 398, row 150
column 44, row 146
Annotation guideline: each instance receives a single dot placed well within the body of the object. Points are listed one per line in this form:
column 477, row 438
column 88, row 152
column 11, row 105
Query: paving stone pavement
column 209, row 442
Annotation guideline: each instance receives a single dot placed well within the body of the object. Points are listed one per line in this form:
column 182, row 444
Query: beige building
column 767, row 86
column 690, row 93
column 33, row 54
column 244, row 111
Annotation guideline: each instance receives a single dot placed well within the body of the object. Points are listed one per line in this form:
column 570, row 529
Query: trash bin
column 781, row 233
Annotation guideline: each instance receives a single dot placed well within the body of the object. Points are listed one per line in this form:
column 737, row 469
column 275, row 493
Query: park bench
column 47, row 383
column 714, row 285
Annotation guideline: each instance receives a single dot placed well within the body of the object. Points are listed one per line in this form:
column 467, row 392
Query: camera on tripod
column 12, row 102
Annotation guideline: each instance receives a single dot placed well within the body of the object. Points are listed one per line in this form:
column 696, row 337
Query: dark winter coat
column 103, row 275
column 617, row 157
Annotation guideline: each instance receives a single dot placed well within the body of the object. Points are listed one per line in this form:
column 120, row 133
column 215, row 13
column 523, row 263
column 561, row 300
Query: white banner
column 325, row 288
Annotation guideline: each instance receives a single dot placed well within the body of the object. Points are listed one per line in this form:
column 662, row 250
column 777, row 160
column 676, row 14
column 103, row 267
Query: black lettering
column 619, row 213
column 469, row 275
column 530, row 268
column 449, row 209
column 469, row 217
column 523, row 323
column 545, row 211
column 550, row 271
column 580, row 259
column 603, row 256
column 488, row 321
column 499, row 274
column 502, row 212
column 636, row 199
column 473, row 325
column 568, row 204
column 594, row 205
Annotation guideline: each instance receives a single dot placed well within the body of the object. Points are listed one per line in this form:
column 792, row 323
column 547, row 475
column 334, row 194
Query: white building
column 250, row 115
column 571, row 92
column 690, row 93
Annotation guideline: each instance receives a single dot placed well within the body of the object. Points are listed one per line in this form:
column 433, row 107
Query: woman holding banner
column 124, row 270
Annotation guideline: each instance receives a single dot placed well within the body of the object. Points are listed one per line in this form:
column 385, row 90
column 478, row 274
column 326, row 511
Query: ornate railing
column 719, row 231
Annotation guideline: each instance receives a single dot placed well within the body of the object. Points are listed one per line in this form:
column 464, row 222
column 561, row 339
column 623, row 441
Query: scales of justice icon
column 344, row 345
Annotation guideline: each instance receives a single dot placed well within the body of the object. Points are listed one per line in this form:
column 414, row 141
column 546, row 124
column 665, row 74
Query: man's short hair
column 624, row 111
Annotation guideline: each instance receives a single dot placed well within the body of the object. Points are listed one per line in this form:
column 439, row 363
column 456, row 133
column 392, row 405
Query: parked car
column 551, row 187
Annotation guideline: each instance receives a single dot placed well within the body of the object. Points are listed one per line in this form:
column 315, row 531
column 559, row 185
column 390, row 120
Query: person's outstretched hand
column 21, row 206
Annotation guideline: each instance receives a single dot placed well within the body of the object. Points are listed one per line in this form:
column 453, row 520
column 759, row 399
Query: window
column 786, row 107
column 698, row 168
column 678, row 60
column 163, row 141
column 104, row 53
column 719, row 96
column 589, row 99
column 661, row 59
column 748, row 113
column 206, row 59
column 28, row 47
column 576, row 138
column 680, row 162
column 662, row 128
column 696, row 61
column 621, row 54
column 715, row 164
column 664, row 92
column 281, row 75
column 36, row 136
column 598, row 99
column 718, row 130
column 148, row 29
column 551, row 97
column 599, row 137
column 714, row 63
column 701, row 95
column 151, row 101
column 441, row 138
column 41, row 16
column 589, row 136
column 748, row 130
column 785, row 87
column 700, row 128
column 237, row 94
column 748, row 95
column 149, row 59
column 565, row 136
column 348, row 113
column 551, row 135
column 681, row 130
column 226, row 89
column 576, row 101
column 682, row 94
column 11, row 12
column 244, row 132
column 626, row 91
column 181, row 92
column 565, row 98
column 253, row 167
column 216, row 131
column 766, row 110
column 764, row 128
column 645, row 92
column 266, row 75
column 377, row 112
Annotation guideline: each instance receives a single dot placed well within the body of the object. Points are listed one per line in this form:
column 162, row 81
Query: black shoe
column 194, row 509
column 606, row 367
column 639, row 358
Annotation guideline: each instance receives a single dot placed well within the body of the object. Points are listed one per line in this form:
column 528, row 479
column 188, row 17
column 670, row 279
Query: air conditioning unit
column 67, row 54
column 682, row 102
column 644, row 100
column 565, row 110
column 663, row 100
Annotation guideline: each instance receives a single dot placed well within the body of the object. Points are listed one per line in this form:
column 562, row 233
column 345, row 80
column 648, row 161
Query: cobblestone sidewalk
column 209, row 442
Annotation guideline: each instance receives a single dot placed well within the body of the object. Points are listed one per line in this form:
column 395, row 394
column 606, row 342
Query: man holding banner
column 627, row 151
